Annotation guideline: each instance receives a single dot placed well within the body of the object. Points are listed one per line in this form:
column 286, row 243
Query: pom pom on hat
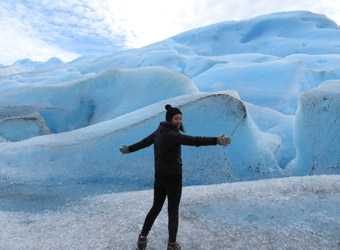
column 167, row 107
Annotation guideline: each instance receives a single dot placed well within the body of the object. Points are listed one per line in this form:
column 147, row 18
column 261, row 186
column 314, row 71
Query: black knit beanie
column 171, row 111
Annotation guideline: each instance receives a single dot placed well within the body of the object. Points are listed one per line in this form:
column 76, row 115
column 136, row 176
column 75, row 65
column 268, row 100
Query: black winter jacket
column 167, row 142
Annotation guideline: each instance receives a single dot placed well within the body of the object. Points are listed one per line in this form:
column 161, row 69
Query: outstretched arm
column 201, row 141
column 146, row 142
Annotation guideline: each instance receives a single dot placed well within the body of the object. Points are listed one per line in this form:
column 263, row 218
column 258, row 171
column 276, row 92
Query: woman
column 167, row 141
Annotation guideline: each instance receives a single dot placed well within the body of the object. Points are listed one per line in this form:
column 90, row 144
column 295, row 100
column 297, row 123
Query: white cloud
column 59, row 27
column 20, row 42
column 329, row 7
column 45, row 29
column 152, row 20
column 155, row 20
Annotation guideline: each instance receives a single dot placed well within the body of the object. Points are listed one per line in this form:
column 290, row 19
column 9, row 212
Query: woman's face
column 177, row 119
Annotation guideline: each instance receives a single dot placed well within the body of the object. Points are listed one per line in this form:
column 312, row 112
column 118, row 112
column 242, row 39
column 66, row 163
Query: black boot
column 173, row 246
column 141, row 243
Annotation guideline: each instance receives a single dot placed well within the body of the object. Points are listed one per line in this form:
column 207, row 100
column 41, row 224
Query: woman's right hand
column 125, row 149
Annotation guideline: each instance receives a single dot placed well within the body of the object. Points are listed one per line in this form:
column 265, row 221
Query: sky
column 41, row 29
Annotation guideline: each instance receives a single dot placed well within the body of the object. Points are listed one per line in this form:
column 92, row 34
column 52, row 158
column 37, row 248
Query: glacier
column 249, row 65
column 270, row 82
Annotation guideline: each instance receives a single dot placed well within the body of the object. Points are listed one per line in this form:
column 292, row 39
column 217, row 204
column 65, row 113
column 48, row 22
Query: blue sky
column 41, row 29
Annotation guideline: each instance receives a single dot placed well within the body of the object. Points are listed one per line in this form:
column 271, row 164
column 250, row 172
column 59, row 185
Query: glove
column 125, row 149
column 224, row 141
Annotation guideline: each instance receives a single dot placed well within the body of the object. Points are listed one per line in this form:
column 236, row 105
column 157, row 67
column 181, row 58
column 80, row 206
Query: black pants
column 162, row 189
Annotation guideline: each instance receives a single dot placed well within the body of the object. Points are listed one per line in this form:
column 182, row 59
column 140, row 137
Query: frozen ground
column 287, row 213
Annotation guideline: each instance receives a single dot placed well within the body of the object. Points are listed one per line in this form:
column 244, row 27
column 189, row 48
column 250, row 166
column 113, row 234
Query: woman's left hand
column 224, row 141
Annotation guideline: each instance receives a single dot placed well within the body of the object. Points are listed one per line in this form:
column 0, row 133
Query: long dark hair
column 182, row 128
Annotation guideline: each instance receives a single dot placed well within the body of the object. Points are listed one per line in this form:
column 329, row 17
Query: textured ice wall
column 21, row 122
column 92, row 153
column 317, row 131
column 113, row 93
